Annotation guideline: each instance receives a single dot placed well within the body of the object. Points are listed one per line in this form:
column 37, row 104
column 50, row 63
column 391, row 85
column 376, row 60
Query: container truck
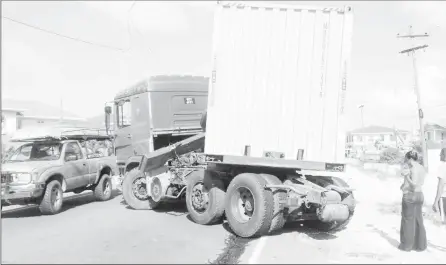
column 154, row 113
column 273, row 135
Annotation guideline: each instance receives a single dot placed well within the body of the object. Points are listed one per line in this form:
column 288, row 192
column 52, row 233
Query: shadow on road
column 176, row 208
column 395, row 243
column 300, row 227
column 68, row 203
column 429, row 244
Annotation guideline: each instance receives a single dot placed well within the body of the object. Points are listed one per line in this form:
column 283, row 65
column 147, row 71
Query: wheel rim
column 56, row 198
column 243, row 204
column 107, row 187
column 139, row 188
column 200, row 198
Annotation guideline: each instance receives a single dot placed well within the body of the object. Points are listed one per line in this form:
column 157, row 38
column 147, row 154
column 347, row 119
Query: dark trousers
column 412, row 232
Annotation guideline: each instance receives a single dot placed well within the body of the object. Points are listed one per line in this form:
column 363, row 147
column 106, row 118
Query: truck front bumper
column 17, row 194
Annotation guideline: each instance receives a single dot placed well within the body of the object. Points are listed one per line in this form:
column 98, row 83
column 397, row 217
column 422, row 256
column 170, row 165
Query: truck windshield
column 36, row 151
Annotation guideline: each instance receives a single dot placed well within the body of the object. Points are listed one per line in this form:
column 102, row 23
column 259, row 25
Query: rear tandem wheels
column 254, row 204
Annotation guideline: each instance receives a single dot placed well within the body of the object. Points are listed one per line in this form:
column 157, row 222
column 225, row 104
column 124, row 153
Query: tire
column 214, row 188
column 103, row 190
column 261, row 217
column 278, row 220
column 52, row 199
column 130, row 198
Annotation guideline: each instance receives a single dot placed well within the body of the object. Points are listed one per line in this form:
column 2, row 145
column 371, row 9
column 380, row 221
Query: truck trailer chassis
column 257, row 195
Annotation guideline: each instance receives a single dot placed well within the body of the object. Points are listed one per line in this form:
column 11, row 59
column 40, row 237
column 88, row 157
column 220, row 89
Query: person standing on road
column 440, row 198
column 412, row 232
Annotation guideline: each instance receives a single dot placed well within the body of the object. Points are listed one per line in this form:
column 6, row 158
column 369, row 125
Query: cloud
column 21, row 75
column 146, row 16
column 430, row 12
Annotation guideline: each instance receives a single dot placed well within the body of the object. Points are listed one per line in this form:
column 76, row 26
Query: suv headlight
column 21, row 178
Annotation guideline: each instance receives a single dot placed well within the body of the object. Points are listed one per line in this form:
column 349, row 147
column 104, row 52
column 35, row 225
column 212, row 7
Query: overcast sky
column 176, row 37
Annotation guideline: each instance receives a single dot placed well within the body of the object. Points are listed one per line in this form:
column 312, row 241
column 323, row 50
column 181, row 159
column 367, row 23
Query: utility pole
column 61, row 109
column 362, row 114
column 412, row 52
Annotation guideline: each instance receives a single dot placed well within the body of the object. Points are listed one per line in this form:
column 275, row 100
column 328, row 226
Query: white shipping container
column 279, row 80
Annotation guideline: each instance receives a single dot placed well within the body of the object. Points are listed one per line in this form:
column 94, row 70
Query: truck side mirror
column 108, row 111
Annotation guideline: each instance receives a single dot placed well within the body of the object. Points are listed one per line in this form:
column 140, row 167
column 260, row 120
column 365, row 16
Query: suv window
column 124, row 113
column 73, row 149
column 23, row 153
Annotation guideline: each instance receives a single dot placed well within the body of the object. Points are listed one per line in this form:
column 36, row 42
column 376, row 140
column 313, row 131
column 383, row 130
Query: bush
column 392, row 156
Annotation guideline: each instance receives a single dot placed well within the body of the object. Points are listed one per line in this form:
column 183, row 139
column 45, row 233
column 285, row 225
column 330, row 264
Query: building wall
column 31, row 123
column 10, row 122
column 366, row 139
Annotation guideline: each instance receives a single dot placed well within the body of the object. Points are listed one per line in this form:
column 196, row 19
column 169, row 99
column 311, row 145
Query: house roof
column 35, row 109
column 375, row 130
column 432, row 126
column 13, row 109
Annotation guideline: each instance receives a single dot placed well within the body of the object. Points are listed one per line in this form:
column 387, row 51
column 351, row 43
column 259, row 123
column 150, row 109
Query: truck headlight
column 21, row 178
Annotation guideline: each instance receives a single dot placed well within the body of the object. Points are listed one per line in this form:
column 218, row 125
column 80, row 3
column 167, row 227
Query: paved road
column 372, row 236
column 108, row 232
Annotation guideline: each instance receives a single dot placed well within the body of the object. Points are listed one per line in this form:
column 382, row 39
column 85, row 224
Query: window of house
column 39, row 121
column 124, row 113
column 429, row 136
column 381, row 137
column 358, row 138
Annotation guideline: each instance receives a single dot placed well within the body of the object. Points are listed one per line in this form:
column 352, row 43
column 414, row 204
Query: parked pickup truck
column 40, row 172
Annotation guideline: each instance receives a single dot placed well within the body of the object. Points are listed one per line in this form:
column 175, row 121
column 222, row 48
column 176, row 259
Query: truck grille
column 6, row 177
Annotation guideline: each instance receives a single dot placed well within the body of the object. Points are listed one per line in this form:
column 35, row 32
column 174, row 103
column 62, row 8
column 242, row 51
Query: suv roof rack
column 59, row 134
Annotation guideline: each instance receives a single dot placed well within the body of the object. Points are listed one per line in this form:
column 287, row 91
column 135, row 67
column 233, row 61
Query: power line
column 129, row 30
column 63, row 36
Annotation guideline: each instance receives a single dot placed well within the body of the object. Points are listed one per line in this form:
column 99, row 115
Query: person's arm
column 408, row 176
column 440, row 189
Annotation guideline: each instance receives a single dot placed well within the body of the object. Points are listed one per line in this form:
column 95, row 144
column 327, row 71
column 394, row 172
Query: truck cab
column 155, row 113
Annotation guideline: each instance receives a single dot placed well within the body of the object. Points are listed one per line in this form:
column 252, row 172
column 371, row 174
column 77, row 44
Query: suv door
column 123, row 137
column 76, row 170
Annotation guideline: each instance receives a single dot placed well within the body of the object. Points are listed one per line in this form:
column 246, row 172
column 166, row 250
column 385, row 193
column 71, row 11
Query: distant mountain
column 96, row 122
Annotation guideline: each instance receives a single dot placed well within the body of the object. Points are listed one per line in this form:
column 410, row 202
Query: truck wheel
column 205, row 198
column 249, row 206
column 279, row 197
column 52, row 198
column 103, row 190
column 134, row 191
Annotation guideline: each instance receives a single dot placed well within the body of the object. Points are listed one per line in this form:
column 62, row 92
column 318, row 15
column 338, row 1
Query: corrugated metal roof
column 166, row 82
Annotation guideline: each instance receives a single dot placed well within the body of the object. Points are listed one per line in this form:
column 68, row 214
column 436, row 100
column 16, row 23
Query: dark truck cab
column 155, row 113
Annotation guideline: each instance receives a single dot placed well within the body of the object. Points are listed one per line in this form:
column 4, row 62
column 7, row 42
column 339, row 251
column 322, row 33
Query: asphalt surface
column 87, row 231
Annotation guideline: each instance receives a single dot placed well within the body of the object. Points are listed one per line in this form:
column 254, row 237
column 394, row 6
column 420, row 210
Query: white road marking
column 257, row 250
